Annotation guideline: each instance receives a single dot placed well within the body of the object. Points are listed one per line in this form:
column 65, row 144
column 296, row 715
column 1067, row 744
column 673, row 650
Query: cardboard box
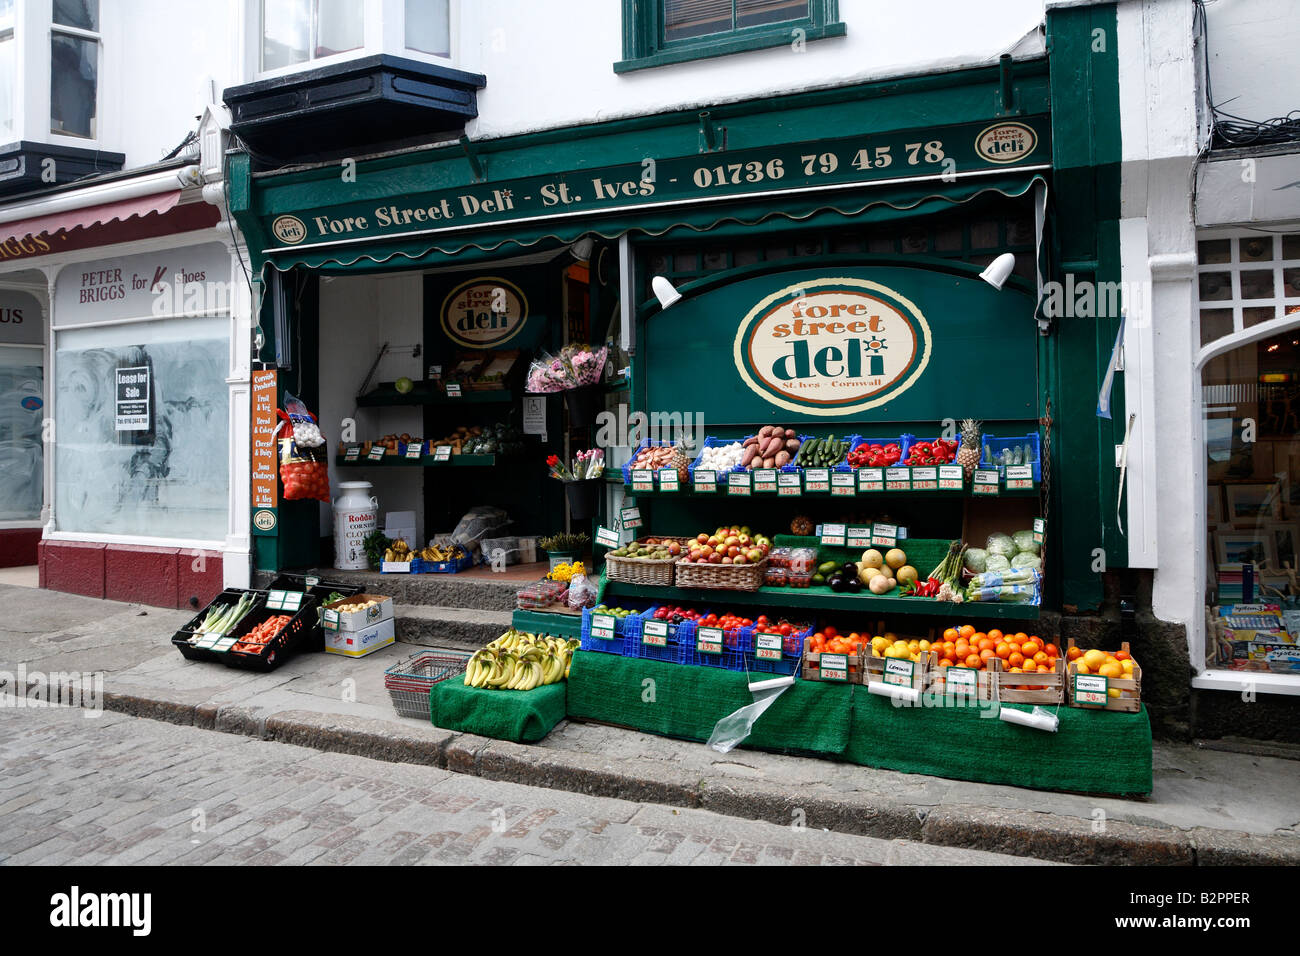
column 362, row 642
column 332, row 620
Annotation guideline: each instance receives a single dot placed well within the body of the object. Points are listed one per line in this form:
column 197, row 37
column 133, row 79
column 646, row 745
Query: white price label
column 833, row 534
column 1090, row 690
column 602, row 626
column 843, row 483
column 643, row 481
column 706, row 480
column 630, row 518
column 816, row 479
column 871, row 479
column 925, row 479
column 898, row 479
column 898, row 672
column 607, row 537
column 764, row 480
column 834, row 667
column 353, row 452
column 376, row 452
column 414, row 451
column 951, row 477
column 858, row 537
column 789, row 484
column 655, row 633
column 453, row 390
column 708, row 640
column 768, row 647
column 960, row 680
column 739, row 483
column 442, row 453
column 668, row 480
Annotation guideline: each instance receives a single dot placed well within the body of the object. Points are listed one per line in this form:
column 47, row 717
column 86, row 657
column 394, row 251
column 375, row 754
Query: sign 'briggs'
column 833, row 346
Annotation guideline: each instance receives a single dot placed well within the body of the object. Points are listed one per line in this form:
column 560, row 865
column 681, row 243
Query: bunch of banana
column 518, row 660
column 399, row 551
column 437, row 553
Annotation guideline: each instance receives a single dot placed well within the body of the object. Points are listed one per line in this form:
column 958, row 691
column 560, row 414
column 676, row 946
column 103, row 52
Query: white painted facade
column 1165, row 128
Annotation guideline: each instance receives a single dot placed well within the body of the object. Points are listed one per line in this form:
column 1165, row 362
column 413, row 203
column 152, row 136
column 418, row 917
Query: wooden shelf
column 427, row 461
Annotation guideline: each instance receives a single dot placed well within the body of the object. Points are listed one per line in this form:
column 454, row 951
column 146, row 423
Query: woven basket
column 721, row 577
column 641, row 570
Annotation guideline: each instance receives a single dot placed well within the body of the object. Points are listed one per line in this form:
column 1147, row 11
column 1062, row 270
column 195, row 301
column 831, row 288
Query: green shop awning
column 722, row 219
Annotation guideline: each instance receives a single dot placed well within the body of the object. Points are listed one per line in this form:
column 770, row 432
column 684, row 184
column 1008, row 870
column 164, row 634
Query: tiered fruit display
column 772, row 447
column 677, row 615
column 875, row 455
column 939, row 451
column 822, row 452
column 892, row 646
column 1104, row 663
column 789, row 631
column 520, row 661
column 651, row 549
column 728, row 546
column 966, row 646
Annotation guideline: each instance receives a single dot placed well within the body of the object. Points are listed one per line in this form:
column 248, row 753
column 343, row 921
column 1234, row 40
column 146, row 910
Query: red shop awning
column 119, row 211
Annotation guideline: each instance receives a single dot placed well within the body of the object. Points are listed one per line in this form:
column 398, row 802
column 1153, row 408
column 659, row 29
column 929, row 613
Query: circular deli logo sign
column 1006, row 142
column 483, row 313
column 264, row 520
column 289, row 229
column 832, row 346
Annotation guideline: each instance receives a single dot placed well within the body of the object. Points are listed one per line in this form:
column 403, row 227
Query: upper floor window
column 295, row 31
column 8, row 66
column 428, row 27
column 657, row 32
column 74, row 67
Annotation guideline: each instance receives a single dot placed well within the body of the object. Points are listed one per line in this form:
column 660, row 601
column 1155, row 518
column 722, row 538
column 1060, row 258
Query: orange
column 950, row 635
column 949, row 647
column 1016, row 659
column 967, row 630
column 973, row 661
column 1052, row 650
column 1015, row 670
column 944, row 662
column 1040, row 657
column 1020, row 636
column 1111, row 670
column 985, row 654
column 1122, row 655
column 1003, row 650
column 1073, row 654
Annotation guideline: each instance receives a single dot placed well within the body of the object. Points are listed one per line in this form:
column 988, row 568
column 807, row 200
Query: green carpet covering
column 1092, row 751
column 686, row 702
column 521, row 716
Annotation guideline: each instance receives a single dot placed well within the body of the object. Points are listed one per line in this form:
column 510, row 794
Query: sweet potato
column 750, row 452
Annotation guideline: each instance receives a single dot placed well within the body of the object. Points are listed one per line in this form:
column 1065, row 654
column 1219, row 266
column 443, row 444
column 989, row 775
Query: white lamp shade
column 999, row 270
column 664, row 292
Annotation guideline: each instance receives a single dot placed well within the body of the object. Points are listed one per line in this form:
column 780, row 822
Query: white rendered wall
column 1252, row 54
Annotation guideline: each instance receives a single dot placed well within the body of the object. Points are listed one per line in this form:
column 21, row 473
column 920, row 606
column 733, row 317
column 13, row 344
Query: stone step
column 455, row 628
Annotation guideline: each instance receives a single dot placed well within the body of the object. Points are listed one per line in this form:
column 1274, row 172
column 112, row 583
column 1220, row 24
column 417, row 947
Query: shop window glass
column 1257, row 284
column 775, row 251
column 22, row 394
column 984, row 234
column 685, row 262
column 915, row 243
column 806, row 248
column 428, row 27
column 686, row 19
column 1215, row 286
column 1020, row 232
column 715, row 260
column 74, row 78
column 1255, row 248
column 1215, row 323
column 1256, row 315
column 846, row 244
column 154, row 462
column 881, row 245
column 1291, row 281
column 658, row 263
column 748, row 256
column 948, row 240
column 1252, row 439
column 1291, row 247
column 1214, row 251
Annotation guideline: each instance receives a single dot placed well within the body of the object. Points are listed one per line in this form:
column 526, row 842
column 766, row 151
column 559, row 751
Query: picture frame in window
column 1233, row 548
column 1253, row 503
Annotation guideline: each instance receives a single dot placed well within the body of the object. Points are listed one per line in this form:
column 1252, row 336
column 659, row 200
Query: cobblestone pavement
column 114, row 789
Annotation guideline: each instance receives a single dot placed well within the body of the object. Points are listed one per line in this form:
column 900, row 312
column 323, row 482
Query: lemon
column 1112, row 691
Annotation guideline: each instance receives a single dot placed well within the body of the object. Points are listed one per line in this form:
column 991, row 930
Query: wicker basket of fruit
column 645, row 561
column 747, row 576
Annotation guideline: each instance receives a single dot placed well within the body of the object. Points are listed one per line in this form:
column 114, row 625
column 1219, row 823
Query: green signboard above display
column 943, row 153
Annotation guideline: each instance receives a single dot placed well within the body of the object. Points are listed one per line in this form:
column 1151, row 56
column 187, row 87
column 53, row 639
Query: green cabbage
column 1000, row 544
column 997, row 562
column 975, row 559
column 1024, row 541
column 1026, row 560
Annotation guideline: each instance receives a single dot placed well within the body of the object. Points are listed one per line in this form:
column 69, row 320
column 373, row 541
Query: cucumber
column 828, row 567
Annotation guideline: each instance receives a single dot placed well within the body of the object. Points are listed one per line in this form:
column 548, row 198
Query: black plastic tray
column 315, row 640
column 180, row 640
column 292, row 637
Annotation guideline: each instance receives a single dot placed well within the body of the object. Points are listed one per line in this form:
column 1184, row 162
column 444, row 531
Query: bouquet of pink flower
column 585, row 466
column 574, row 367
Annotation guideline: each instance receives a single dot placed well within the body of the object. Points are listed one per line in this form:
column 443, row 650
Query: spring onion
column 221, row 619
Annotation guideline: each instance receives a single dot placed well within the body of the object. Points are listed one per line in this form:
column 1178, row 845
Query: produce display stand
column 519, row 716
column 1097, row 752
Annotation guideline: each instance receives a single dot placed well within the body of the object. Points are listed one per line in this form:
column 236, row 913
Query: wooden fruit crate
column 1008, row 687
column 937, row 683
column 1129, row 700
column 873, row 670
column 811, row 669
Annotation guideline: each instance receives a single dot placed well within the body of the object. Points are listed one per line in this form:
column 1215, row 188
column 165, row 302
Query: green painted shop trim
column 644, row 45
column 917, row 102
column 754, row 216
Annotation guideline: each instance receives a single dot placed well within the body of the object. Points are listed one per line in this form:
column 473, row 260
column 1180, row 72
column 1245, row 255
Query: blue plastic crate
column 842, row 466
column 791, row 654
column 681, row 640
column 710, row 442
column 905, row 442
column 420, row 566
column 991, row 446
column 645, row 443
column 615, row 646
column 736, row 647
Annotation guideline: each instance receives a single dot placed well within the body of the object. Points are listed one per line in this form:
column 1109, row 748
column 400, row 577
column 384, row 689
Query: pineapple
column 968, row 455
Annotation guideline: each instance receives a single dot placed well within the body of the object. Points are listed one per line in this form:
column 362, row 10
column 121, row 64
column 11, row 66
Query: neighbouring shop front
column 820, row 333
column 119, row 369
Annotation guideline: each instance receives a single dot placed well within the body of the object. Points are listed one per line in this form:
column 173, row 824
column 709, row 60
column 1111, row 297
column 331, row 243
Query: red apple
column 702, row 538
column 727, row 561
column 715, row 558
column 740, row 559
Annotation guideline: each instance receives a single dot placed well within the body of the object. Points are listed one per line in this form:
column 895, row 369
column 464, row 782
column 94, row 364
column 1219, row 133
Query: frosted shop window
column 142, row 429
column 1249, row 293
column 22, row 393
